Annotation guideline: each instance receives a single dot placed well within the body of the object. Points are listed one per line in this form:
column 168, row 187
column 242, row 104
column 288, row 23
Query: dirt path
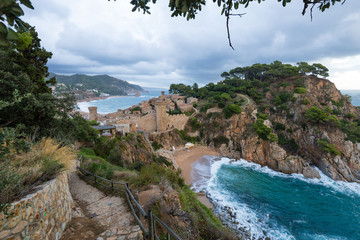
column 97, row 216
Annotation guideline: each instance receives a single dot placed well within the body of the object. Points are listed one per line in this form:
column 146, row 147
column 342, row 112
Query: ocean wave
column 247, row 219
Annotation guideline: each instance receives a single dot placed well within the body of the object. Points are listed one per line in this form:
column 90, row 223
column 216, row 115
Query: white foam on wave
column 348, row 188
column 248, row 218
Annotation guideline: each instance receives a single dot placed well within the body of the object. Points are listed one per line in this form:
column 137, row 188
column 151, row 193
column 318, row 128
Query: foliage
column 288, row 144
column 156, row 146
column 305, row 101
column 317, row 116
column 155, row 173
column 20, row 172
column 209, row 225
column 327, row 147
column 300, row 90
column 187, row 138
column 10, row 10
column 263, row 131
column 189, row 9
column 93, row 123
column 220, row 140
column 231, row 109
column 351, row 129
column 194, row 124
column 282, row 97
column 101, row 83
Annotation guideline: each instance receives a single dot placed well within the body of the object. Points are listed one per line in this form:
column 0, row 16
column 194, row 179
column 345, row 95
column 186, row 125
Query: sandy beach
column 185, row 157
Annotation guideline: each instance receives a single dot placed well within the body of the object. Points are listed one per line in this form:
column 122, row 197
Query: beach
column 185, row 157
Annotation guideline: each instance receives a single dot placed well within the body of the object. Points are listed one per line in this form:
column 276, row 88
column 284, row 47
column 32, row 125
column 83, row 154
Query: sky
column 105, row 37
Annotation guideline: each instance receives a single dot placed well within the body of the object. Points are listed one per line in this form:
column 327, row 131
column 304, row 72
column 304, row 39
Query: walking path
column 97, row 216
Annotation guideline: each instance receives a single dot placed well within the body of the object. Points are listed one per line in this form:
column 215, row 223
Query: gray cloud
column 101, row 37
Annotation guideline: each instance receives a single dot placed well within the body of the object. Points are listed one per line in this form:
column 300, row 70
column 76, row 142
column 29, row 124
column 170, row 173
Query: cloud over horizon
column 105, row 37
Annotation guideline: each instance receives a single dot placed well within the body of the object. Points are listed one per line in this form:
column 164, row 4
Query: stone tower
column 160, row 108
column 92, row 113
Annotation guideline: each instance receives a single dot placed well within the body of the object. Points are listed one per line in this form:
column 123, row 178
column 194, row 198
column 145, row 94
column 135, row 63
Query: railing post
column 168, row 236
column 151, row 226
column 112, row 186
column 95, row 178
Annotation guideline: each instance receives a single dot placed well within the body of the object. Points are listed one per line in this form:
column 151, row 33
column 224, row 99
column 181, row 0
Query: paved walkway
column 97, row 216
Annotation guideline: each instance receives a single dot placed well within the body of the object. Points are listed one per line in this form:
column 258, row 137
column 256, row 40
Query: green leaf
column 4, row 42
column 17, row 11
column 12, row 35
column 10, row 19
column 3, row 28
column 27, row 3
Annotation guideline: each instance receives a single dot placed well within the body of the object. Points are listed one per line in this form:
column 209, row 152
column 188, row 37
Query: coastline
column 99, row 98
column 185, row 157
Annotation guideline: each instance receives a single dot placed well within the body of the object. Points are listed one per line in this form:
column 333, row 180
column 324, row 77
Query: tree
column 10, row 12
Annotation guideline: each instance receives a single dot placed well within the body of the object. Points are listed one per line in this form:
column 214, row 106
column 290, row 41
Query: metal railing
column 152, row 220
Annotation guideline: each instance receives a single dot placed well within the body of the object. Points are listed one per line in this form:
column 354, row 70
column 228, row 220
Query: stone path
column 97, row 216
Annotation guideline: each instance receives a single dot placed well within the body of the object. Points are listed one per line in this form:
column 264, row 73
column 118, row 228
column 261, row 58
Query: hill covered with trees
column 279, row 115
column 100, row 83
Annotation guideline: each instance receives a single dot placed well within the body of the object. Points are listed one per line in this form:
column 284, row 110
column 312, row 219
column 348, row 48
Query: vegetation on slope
column 102, row 83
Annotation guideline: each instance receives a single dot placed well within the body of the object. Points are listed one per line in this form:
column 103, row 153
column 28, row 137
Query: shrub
column 279, row 126
column 19, row 173
column 155, row 173
column 300, row 90
column 220, row 140
column 195, row 124
column 315, row 115
column 350, row 115
column 261, row 130
column 231, row 109
column 305, row 101
column 262, row 116
column 327, row 147
column 156, row 146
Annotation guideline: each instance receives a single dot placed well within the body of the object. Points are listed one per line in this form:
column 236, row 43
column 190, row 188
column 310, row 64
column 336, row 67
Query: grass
column 19, row 173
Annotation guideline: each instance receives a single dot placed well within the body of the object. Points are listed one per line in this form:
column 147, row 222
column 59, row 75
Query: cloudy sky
column 105, row 37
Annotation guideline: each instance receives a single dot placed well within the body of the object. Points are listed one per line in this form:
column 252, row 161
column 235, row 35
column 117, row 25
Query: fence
column 152, row 220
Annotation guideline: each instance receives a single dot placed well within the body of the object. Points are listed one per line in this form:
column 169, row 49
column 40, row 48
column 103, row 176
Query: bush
column 305, row 101
column 279, row 126
column 327, row 147
column 155, row 173
column 19, row 173
column 300, row 90
column 156, row 146
column 220, row 140
column 315, row 115
column 195, row 124
column 231, row 109
column 261, row 130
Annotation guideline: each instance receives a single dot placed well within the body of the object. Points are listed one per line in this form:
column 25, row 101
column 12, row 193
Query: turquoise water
column 284, row 206
column 112, row 104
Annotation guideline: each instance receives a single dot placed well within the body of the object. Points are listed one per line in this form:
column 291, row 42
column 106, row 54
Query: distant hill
column 102, row 83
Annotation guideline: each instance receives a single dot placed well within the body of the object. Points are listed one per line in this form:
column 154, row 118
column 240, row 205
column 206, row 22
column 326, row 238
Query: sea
column 266, row 203
column 112, row 104
column 279, row 206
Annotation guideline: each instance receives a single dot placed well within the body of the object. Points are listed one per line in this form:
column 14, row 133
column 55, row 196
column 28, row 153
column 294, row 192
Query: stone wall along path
column 109, row 212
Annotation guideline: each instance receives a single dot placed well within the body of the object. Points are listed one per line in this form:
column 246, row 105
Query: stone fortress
column 149, row 116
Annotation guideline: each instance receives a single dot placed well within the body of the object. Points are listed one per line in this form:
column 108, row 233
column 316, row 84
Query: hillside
column 289, row 121
column 100, row 83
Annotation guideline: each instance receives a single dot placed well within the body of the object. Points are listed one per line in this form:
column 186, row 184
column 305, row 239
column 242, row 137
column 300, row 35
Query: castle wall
column 42, row 215
column 147, row 122
column 176, row 121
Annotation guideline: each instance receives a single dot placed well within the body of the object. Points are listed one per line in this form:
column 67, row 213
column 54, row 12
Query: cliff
column 292, row 129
